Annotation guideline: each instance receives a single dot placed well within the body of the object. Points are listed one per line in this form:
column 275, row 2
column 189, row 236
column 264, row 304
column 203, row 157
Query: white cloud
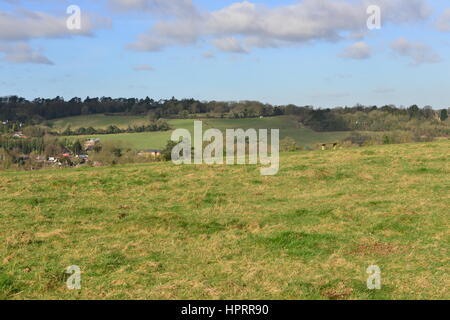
column 359, row 51
column 418, row 52
column 22, row 25
column 443, row 22
column 25, row 24
column 402, row 11
column 262, row 26
column 21, row 52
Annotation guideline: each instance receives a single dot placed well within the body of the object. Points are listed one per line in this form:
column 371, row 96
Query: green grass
column 288, row 128
column 160, row 231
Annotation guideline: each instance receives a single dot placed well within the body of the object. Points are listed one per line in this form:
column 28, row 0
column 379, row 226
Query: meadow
column 160, row 231
column 288, row 128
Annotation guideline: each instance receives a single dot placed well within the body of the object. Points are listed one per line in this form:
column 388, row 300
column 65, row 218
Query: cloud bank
column 242, row 26
column 21, row 52
column 22, row 25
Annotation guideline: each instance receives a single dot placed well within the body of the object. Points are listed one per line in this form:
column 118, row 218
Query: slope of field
column 161, row 231
column 97, row 121
column 288, row 128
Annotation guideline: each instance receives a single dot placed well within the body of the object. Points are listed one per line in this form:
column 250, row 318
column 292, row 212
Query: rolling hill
column 288, row 128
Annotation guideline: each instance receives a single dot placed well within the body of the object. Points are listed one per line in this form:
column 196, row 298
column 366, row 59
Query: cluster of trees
column 365, row 118
column 46, row 146
column 390, row 137
column 21, row 152
column 25, row 146
column 9, row 127
column 39, row 110
column 159, row 125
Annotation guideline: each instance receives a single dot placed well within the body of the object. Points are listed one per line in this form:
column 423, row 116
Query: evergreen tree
column 77, row 148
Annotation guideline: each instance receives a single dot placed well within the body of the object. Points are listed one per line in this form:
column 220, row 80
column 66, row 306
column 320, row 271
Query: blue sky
column 315, row 52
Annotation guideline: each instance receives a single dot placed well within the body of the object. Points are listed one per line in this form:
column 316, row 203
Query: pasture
column 288, row 128
column 160, row 231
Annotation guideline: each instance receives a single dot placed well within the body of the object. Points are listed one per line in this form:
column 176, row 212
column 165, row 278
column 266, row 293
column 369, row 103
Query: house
column 19, row 135
column 90, row 144
column 153, row 153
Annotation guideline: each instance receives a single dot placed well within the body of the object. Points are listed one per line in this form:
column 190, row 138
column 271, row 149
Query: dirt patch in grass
column 54, row 233
column 376, row 248
column 340, row 292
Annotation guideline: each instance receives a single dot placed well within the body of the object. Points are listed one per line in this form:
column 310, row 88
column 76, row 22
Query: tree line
column 39, row 110
column 25, row 146
column 159, row 125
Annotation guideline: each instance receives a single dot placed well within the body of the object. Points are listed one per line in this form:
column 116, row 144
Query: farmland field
column 160, row 231
column 288, row 128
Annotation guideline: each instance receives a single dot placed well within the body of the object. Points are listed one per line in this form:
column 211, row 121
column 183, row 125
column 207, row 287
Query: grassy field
column 288, row 128
column 161, row 231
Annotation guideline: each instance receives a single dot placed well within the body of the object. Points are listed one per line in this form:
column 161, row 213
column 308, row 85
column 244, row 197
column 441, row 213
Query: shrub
column 288, row 144
column 166, row 154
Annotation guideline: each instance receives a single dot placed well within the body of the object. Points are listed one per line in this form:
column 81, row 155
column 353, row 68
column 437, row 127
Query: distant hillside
column 288, row 128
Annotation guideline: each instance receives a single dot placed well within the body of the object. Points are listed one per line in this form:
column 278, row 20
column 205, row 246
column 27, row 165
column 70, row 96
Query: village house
column 19, row 135
column 90, row 144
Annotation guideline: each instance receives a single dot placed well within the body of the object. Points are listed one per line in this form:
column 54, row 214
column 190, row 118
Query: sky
column 309, row 52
